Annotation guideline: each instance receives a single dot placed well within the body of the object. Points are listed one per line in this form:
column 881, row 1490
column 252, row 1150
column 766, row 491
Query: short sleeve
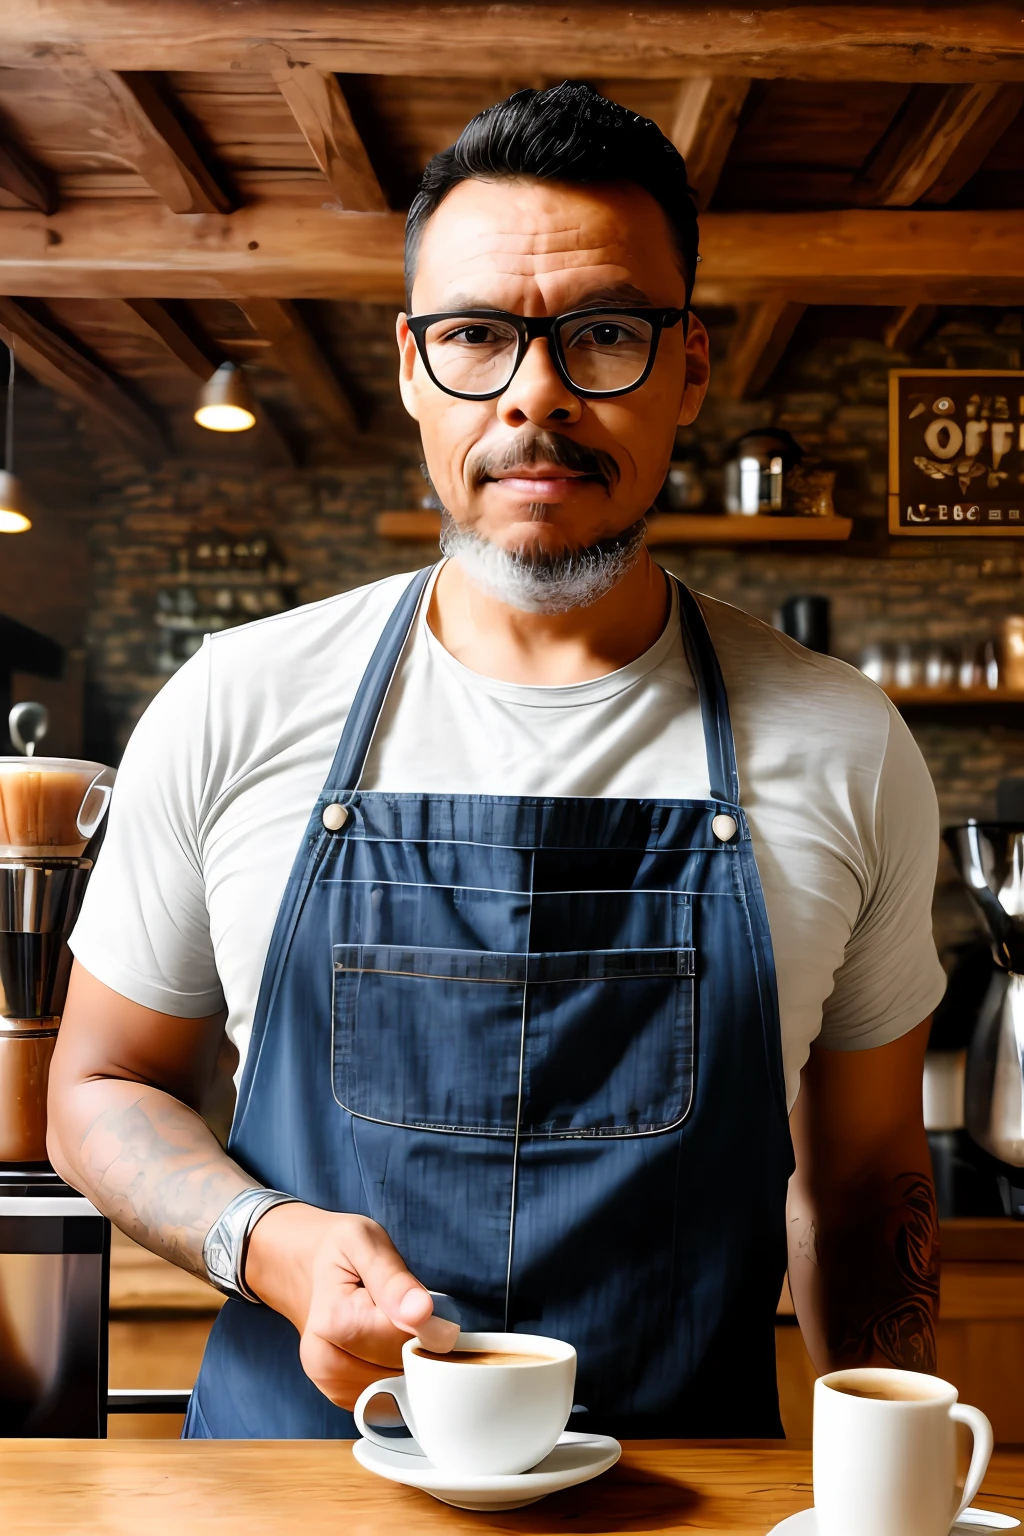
column 144, row 928
column 891, row 977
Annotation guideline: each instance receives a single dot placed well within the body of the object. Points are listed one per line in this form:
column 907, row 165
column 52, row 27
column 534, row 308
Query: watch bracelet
column 227, row 1242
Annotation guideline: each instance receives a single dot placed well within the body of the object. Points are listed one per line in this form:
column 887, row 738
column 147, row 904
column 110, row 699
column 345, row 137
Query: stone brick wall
column 98, row 580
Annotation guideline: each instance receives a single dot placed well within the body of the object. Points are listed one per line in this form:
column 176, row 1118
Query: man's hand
column 343, row 1285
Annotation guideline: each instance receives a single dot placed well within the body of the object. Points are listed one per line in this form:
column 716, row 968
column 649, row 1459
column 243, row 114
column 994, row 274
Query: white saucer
column 806, row 1523
column 575, row 1459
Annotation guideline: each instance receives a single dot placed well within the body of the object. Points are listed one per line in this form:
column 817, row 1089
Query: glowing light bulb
column 225, row 404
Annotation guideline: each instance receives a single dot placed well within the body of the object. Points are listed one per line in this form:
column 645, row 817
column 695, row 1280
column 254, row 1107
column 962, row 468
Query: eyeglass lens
column 600, row 352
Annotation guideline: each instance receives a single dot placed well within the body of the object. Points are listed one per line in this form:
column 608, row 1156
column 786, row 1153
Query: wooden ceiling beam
column 132, row 113
column 909, row 326
column 157, row 319
column 706, row 116
column 273, row 248
column 938, row 142
column 605, row 39
column 23, row 183
column 318, row 105
column 763, row 332
column 299, row 356
column 301, row 250
column 58, row 364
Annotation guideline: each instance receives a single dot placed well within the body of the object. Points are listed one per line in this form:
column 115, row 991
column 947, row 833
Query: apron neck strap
column 354, row 745
column 372, row 691
column 714, row 704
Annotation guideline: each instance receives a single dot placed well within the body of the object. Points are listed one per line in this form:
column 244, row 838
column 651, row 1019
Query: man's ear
column 407, row 366
column 698, row 370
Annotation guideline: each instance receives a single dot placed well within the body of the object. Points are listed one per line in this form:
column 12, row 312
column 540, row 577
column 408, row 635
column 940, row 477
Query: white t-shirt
column 221, row 774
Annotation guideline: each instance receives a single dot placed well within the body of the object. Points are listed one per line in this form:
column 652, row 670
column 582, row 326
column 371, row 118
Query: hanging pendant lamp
column 224, row 403
column 14, row 517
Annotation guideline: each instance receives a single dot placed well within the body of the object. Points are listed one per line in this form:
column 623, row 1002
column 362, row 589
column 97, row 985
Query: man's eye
column 474, row 335
column 608, row 333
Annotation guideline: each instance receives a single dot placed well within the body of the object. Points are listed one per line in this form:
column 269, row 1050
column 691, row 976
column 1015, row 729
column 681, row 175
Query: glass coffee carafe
column 51, row 811
column 990, row 859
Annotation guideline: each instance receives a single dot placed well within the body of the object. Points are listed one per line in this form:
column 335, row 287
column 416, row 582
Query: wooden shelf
column 667, row 528
column 959, row 698
column 706, row 528
column 232, row 576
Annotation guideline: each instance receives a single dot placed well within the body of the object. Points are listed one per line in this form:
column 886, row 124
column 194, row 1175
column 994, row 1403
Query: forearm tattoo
column 155, row 1168
column 882, row 1277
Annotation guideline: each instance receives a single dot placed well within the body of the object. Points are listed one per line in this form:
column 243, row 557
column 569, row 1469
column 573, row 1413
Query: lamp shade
column 225, row 404
column 14, row 516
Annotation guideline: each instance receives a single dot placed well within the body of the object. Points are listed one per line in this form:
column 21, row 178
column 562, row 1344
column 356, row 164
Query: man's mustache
column 542, row 448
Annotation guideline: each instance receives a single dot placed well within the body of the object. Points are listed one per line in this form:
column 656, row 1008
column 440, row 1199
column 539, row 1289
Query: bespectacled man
column 563, row 923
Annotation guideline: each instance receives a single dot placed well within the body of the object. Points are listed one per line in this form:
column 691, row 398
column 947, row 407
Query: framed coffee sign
column 956, row 453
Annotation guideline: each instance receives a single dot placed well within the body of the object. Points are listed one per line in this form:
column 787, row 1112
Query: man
column 591, row 878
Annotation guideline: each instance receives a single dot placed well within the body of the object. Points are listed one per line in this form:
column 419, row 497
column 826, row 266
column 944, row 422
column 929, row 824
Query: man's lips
column 542, row 482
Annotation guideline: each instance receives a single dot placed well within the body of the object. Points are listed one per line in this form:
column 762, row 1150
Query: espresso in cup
column 885, row 1453
column 483, row 1357
column 494, row 1406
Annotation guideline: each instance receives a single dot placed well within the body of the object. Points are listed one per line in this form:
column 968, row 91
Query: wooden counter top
column 253, row 1488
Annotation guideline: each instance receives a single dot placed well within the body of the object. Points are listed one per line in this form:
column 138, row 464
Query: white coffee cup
column 885, row 1453
column 480, row 1420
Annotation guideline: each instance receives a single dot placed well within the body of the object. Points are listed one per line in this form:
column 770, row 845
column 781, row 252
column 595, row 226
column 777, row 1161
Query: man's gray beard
column 543, row 583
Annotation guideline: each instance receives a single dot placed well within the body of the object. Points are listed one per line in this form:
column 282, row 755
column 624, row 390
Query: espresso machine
column 990, row 859
column 54, row 1245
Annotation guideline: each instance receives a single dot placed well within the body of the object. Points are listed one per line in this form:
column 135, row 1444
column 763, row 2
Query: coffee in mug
column 475, row 1422
column 909, row 1391
column 885, row 1453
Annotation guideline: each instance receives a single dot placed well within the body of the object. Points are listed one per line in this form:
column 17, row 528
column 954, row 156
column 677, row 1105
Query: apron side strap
column 372, row 691
column 714, row 703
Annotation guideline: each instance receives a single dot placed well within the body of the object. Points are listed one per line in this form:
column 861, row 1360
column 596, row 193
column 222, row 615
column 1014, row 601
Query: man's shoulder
column 767, row 673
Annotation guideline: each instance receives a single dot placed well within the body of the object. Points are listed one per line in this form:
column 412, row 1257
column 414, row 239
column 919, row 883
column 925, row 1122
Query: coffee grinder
column 54, row 1245
column 990, row 859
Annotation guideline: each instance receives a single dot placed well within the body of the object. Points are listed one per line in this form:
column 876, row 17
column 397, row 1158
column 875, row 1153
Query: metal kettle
column 990, row 859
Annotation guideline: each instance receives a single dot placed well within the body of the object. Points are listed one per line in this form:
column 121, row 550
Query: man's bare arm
column 126, row 1084
column 125, row 1089
column 863, row 1229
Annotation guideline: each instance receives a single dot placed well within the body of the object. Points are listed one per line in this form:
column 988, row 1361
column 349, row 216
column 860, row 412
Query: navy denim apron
column 537, row 1039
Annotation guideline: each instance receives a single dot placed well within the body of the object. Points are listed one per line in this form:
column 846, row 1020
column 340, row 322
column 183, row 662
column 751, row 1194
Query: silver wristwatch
column 225, row 1245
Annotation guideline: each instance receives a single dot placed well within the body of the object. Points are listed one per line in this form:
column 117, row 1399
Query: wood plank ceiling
column 181, row 183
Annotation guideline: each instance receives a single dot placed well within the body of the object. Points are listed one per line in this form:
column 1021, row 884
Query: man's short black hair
column 567, row 133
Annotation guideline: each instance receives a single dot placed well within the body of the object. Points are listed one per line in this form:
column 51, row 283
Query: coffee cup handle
column 981, row 1430
column 392, row 1386
column 94, row 802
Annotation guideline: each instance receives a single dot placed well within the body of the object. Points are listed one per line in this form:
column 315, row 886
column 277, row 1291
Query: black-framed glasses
column 474, row 353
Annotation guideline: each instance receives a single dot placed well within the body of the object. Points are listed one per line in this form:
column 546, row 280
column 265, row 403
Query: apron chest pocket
column 589, row 1043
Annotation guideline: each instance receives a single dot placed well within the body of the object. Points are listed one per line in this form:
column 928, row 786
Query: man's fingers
column 392, row 1288
column 438, row 1335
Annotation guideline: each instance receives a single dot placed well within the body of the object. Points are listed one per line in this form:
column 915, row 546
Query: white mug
column 885, row 1453
column 479, row 1420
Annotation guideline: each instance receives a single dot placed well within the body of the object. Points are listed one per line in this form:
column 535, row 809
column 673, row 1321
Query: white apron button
column 334, row 817
column 724, row 827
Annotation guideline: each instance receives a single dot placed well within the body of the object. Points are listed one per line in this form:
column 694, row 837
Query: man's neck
column 499, row 641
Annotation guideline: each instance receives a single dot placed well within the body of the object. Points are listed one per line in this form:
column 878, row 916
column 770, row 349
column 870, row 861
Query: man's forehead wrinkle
column 612, row 293
column 491, row 242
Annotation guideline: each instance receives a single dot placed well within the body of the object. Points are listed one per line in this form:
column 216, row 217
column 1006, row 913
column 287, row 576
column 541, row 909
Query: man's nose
column 536, row 393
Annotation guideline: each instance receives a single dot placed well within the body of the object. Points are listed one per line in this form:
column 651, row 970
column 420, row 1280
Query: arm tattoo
column 156, row 1169
column 883, row 1274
